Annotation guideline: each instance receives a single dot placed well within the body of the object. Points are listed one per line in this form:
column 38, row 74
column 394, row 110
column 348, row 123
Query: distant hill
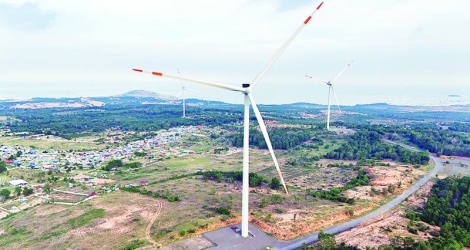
column 146, row 94
column 143, row 97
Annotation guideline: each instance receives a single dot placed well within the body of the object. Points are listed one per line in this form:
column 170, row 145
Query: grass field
column 457, row 167
column 58, row 144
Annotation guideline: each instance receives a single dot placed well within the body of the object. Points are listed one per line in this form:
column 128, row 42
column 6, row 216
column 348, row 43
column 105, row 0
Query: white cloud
column 413, row 45
column 25, row 17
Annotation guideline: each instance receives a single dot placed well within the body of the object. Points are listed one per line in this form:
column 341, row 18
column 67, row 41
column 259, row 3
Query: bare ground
column 380, row 230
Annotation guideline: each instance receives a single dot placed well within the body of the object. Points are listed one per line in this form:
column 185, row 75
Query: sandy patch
column 304, row 223
column 380, row 230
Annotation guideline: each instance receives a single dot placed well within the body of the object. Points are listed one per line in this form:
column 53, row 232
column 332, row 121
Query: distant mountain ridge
column 143, row 97
column 146, row 94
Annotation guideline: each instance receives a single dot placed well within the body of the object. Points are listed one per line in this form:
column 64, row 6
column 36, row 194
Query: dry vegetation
column 119, row 218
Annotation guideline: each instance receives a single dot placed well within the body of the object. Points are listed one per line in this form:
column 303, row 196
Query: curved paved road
column 353, row 223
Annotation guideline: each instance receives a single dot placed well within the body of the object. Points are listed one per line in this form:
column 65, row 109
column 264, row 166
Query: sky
column 408, row 51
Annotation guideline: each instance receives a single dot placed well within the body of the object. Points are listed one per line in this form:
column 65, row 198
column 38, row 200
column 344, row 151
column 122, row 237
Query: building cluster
column 51, row 159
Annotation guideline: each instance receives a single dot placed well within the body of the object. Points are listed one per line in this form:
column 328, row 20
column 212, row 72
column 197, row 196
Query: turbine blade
column 334, row 93
column 262, row 126
column 283, row 47
column 178, row 95
column 211, row 84
column 341, row 72
column 316, row 79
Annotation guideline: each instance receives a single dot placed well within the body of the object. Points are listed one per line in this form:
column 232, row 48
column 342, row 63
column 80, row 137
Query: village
column 51, row 159
column 86, row 164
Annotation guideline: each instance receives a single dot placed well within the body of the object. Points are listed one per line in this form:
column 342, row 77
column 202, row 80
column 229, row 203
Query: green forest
column 370, row 145
column 281, row 138
column 449, row 208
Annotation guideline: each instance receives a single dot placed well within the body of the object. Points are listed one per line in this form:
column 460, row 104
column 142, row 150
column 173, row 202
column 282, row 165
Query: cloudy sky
column 402, row 49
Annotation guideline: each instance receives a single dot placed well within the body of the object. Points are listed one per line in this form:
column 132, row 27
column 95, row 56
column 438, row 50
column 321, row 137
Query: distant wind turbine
column 182, row 92
column 330, row 89
column 246, row 90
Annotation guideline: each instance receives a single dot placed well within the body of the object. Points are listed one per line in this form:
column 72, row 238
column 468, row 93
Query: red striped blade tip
column 319, row 5
column 308, row 19
column 138, row 70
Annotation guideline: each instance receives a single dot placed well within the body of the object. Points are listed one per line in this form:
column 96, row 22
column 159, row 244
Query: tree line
column 72, row 123
column 255, row 180
column 427, row 136
column 281, row 138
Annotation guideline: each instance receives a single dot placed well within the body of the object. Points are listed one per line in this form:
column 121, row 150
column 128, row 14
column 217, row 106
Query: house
column 18, row 183
column 82, row 178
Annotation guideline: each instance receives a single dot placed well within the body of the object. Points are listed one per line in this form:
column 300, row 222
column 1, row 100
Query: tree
column 27, row 191
column 3, row 167
column 263, row 202
column 276, row 198
column 326, row 241
column 17, row 191
column 112, row 164
column 5, row 193
column 408, row 242
column 275, row 183
column 47, row 188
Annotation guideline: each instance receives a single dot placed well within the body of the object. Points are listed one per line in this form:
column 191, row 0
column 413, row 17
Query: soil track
column 149, row 226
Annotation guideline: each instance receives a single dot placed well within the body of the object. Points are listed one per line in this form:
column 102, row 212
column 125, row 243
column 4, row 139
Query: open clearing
column 118, row 217
column 51, row 142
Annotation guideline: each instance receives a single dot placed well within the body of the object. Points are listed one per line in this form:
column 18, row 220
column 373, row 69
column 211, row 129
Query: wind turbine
column 331, row 89
column 182, row 92
column 246, row 90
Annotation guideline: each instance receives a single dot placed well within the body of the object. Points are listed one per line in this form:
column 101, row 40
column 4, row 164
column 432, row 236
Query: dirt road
column 149, row 226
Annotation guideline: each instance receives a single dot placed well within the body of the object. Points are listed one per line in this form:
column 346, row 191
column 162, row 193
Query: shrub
column 276, row 198
column 263, row 202
column 134, row 245
column 223, row 210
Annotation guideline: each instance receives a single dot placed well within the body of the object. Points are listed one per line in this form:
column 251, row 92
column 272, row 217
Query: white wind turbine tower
column 331, row 89
column 182, row 92
column 246, row 90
